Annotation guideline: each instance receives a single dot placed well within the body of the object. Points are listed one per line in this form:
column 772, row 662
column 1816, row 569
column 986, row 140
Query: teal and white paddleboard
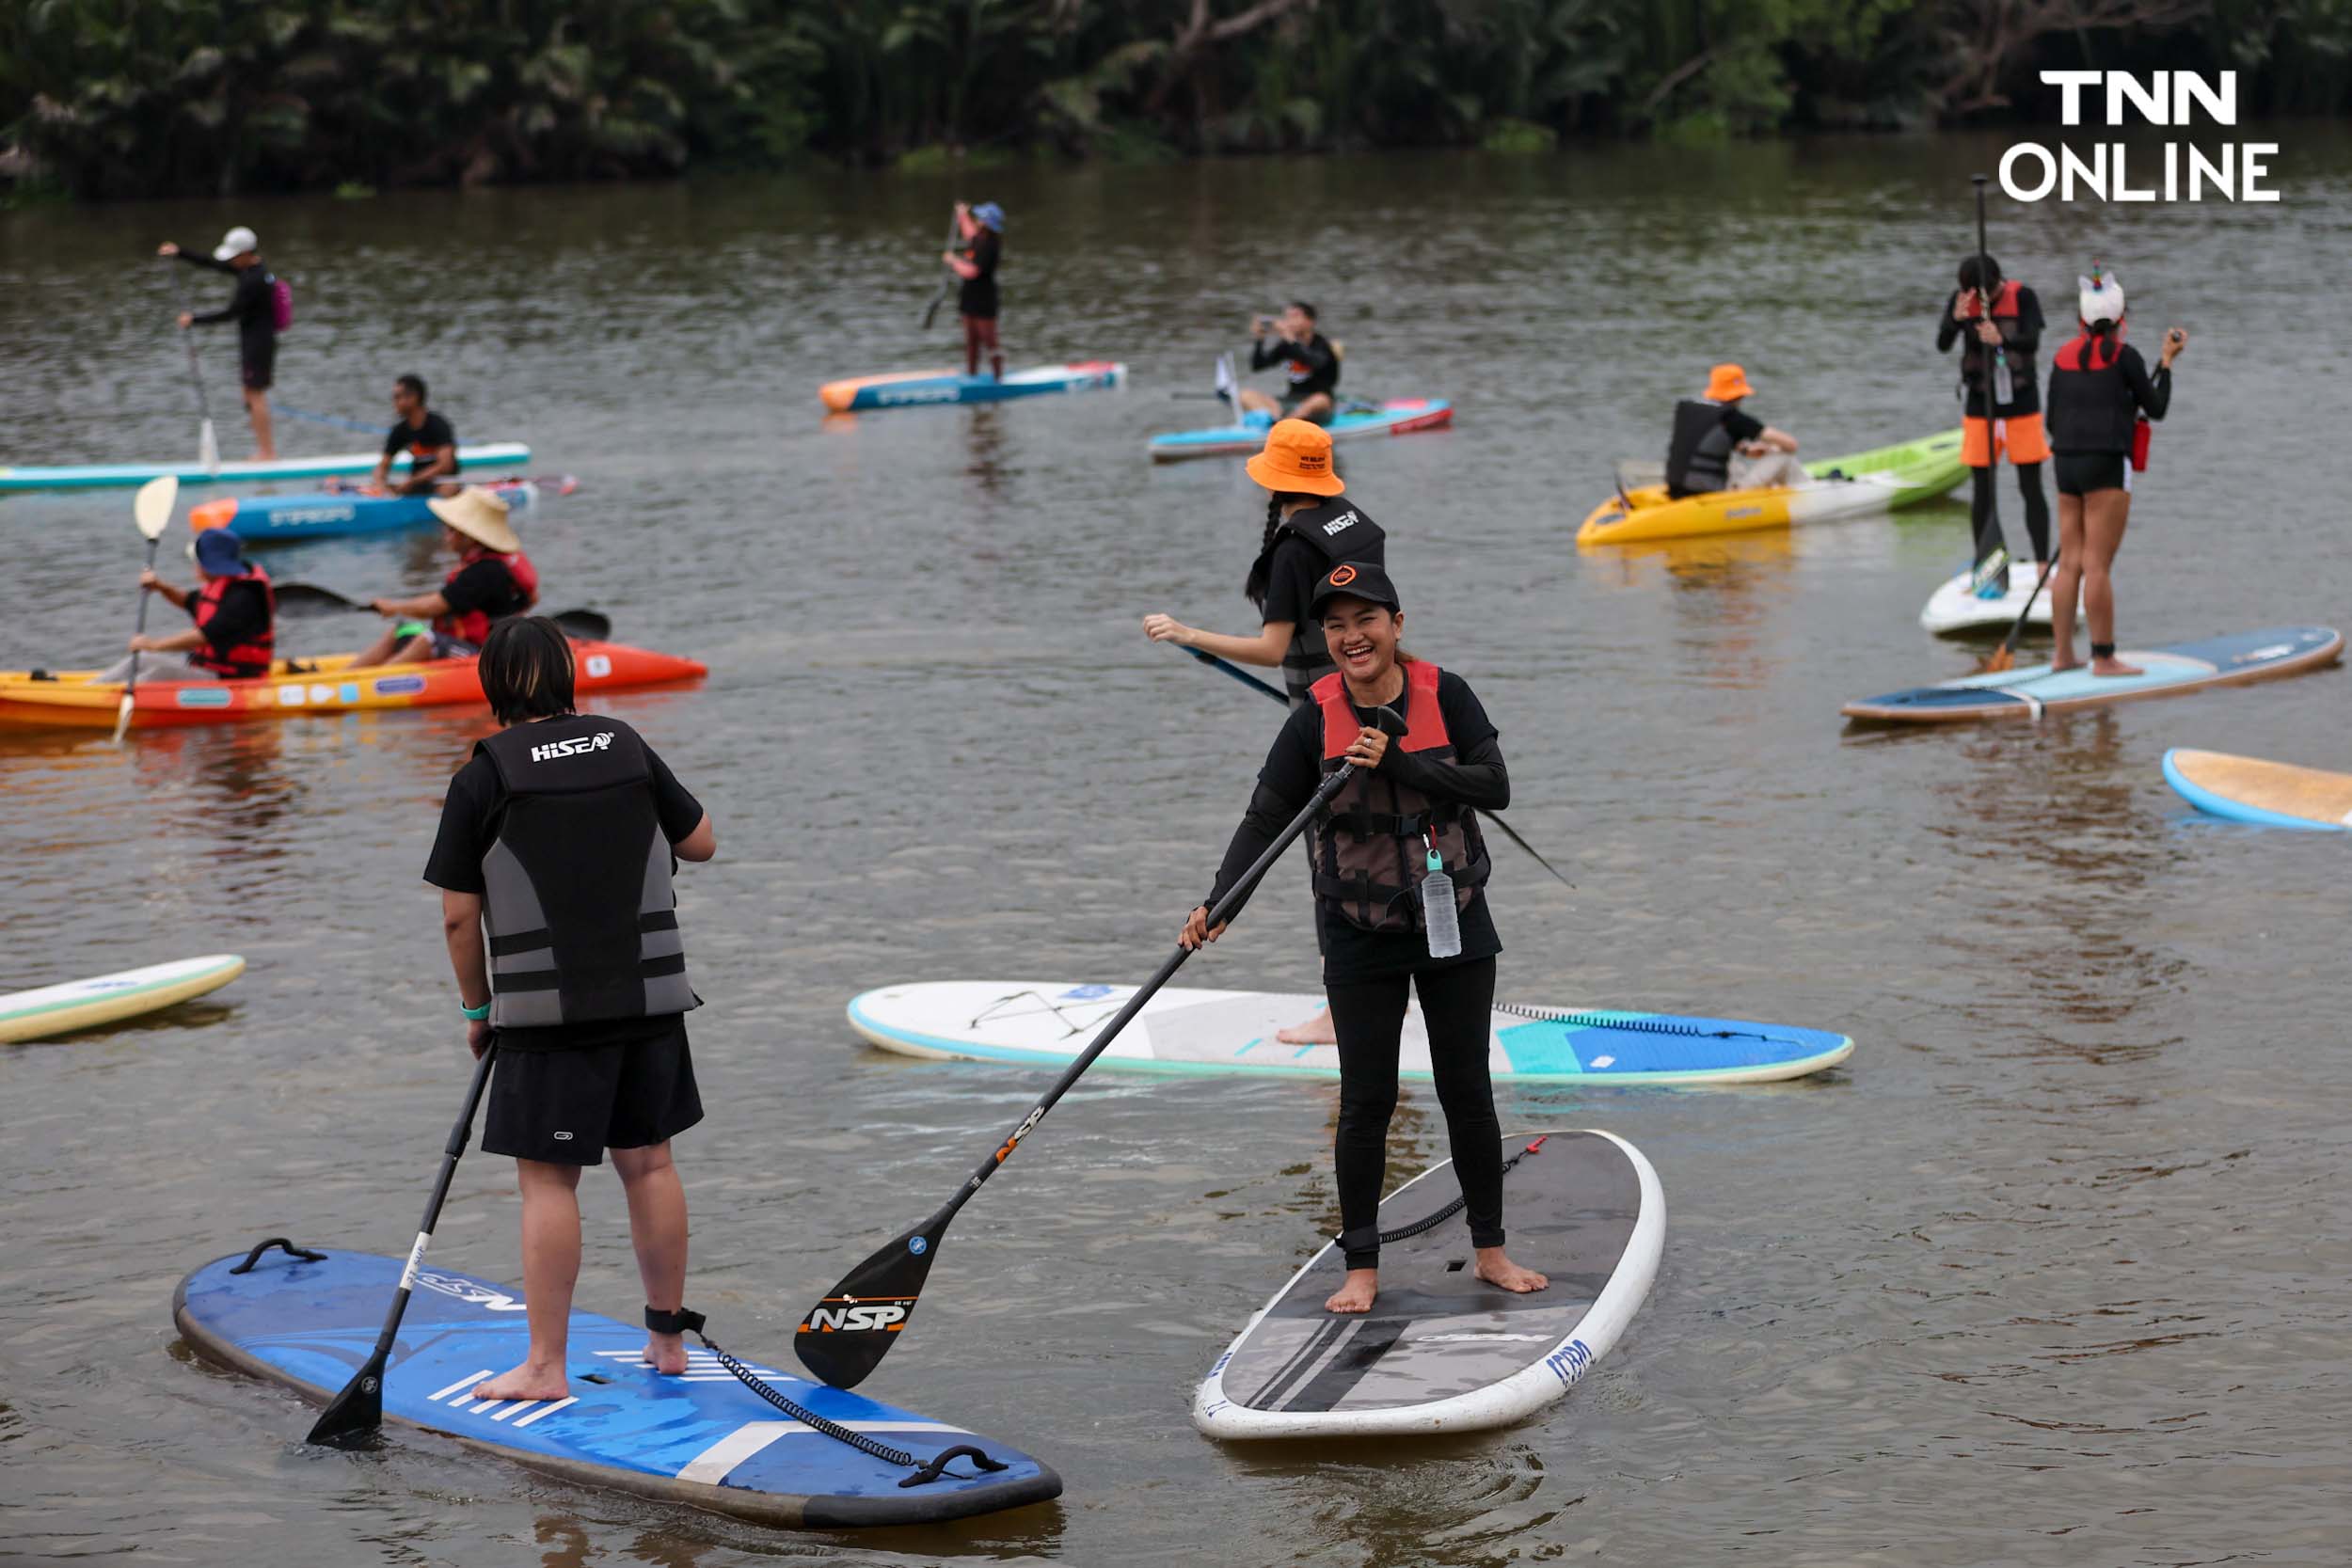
column 62, row 1009
column 2170, row 671
column 1048, row 1022
column 497, row 454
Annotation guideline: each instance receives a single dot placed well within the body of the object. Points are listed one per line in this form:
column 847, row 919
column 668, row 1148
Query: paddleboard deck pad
column 32, row 1015
column 702, row 1438
column 1048, row 1024
column 2171, row 671
column 2270, row 794
column 1441, row 1350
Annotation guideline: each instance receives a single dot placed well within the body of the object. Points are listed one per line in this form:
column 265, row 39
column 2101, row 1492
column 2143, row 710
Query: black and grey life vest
column 577, row 899
column 1371, row 844
column 1340, row 531
column 1698, row 459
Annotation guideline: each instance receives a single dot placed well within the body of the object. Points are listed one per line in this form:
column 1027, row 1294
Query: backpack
column 280, row 302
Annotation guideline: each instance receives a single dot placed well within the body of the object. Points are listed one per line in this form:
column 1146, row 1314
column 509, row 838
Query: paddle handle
column 1223, row 911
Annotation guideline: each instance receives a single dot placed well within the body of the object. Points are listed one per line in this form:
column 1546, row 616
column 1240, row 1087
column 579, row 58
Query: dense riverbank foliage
column 144, row 97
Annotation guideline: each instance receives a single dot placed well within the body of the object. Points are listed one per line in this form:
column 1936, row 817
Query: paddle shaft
column 939, row 296
column 2001, row 657
column 187, row 336
column 1984, row 303
column 1255, row 684
column 1217, row 916
column 138, row 628
column 593, row 625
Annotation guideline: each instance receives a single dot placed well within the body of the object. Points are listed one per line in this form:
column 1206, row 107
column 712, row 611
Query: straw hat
column 1726, row 382
column 1298, row 457
column 480, row 515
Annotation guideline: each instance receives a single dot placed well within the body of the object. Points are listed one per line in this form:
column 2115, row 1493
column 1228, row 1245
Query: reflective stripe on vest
column 243, row 661
column 1698, row 457
column 577, row 896
column 474, row 624
column 1369, row 846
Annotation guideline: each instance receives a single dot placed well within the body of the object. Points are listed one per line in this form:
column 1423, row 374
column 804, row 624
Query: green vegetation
column 148, row 97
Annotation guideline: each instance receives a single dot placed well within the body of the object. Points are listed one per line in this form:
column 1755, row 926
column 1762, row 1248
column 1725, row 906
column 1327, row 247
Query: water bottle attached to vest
column 1438, row 913
column 2004, row 385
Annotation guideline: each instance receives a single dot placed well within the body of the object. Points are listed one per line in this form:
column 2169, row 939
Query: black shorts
column 2079, row 473
column 567, row 1107
column 1290, row 401
column 260, row 371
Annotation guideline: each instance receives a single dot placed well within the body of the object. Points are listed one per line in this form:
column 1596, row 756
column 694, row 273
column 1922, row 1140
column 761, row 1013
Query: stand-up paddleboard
column 1957, row 606
column 32, row 1015
column 1441, row 1350
column 702, row 1438
column 2170, row 671
column 1047, row 1024
column 2248, row 789
column 921, row 389
column 1393, row 416
column 496, row 454
column 330, row 514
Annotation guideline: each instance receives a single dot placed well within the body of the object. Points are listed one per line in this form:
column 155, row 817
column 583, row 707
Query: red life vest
column 1371, row 844
column 474, row 624
column 243, row 661
column 2004, row 302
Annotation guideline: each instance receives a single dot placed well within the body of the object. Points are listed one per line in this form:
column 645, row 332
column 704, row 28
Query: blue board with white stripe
column 702, row 1438
column 2170, row 671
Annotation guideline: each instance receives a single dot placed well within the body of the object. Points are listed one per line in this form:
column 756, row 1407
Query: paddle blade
column 2000, row 658
column 353, row 1415
column 845, row 1335
column 122, row 716
column 309, row 598
column 151, row 507
column 587, row 625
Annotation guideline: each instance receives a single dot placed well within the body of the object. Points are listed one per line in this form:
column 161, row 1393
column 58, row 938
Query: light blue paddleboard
column 1047, row 1024
column 2172, row 670
column 1396, row 417
column 2269, row 794
column 702, row 1438
column 497, row 454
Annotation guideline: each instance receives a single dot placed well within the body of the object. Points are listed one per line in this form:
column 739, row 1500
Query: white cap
column 2101, row 299
column 235, row 244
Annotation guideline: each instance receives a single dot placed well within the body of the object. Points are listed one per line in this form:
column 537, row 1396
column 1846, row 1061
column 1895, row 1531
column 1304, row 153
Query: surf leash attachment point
column 1431, row 1221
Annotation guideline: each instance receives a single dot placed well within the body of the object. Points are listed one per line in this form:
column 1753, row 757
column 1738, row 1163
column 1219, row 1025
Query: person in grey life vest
column 1717, row 445
column 554, row 858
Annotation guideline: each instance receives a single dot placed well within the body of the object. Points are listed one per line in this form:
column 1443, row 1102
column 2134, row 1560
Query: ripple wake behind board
column 1047, row 1023
column 2171, row 671
column 703, row 1438
column 1441, row 1350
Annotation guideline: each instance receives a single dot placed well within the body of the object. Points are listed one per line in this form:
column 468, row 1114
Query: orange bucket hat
column 1298, row 457
column 1726, row 382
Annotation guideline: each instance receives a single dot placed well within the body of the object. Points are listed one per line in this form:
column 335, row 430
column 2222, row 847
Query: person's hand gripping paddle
column 845, row 1335
column 355, row 1414
column 152, row 510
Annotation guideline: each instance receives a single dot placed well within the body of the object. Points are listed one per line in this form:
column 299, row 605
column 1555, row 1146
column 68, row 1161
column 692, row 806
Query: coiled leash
column 1431, row 1221
column 685, row 1322
column 1599, row 1021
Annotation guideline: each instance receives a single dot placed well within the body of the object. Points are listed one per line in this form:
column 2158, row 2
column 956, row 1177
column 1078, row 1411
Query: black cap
column 1354, row 579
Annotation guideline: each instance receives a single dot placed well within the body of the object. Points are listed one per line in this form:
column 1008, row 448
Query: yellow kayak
column 1861, row 482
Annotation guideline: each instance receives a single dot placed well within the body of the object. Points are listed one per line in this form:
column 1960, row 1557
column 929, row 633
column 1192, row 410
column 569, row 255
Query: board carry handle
column 301, row 1254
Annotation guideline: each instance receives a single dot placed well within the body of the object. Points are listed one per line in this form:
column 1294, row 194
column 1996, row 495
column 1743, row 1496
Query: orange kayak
column 32, row 698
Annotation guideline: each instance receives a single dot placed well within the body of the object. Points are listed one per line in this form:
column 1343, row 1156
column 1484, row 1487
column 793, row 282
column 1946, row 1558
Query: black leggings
column 1984, row 512
column 1457, row 1004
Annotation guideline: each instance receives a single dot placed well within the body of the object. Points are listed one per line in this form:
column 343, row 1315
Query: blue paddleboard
column 702, row 1438
column 2269, row 794
column 2170, row 671
column 925, row 388
column 496, row 454
column 1396, row 417
column 328, row 514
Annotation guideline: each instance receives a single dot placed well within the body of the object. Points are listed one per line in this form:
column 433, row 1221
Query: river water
column 2054, row 1271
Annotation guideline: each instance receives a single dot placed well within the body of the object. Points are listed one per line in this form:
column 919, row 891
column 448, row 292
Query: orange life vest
column 245, row 659
column 474, row 624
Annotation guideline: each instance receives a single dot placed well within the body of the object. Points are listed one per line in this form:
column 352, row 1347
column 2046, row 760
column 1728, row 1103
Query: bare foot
column 665, row 1352
column 1315, row 1030
column 2113, row 667
column 1494, row 1269
column 1355, row 1292
column 2064, row 661
column 529, row 1381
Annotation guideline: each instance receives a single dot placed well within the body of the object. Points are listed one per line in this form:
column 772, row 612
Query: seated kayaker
column 492, row 580
column 426, row 438
column 1719, row 445
column 1307, row 358
column 235, row 613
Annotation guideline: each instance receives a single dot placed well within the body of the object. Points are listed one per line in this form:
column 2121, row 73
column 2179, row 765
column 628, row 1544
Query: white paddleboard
column 1441, row 1350
column 32, row 1015
column 1956, row 606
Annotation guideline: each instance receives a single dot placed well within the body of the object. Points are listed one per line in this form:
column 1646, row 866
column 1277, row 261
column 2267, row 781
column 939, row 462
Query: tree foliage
column 140, row 97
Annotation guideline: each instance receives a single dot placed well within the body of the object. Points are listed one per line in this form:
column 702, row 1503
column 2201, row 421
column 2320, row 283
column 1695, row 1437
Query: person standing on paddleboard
column 1309, row 359
column 429, row 440
column 493, row 581
column 2100, row 400
column 1717, row 445
column 254, row 307
column 2001, row 402
column 554, row 857
column 1309, row 529
column 983, row 231
column 1414, row 800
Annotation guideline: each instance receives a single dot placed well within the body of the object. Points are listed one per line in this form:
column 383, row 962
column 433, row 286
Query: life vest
column 247, row 660
column 1371, row 844
column 2092, row 406
column 1340, row 530
column 1699, row 458
column 474, row 624
column 1973, row 360
column 576, row 899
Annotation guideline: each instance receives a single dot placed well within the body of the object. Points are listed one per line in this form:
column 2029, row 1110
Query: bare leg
column 2105, row 512
column 2066, row 582
column 1315, row 1030
column 550, row 1269
column 1255, row 402
column 256, row 409
column 1315, row 410
column 415, row 651
column 656, row 1228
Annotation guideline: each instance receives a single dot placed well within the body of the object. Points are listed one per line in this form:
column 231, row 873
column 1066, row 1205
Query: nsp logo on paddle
column 870, row 1315
column 2032, row 172
column 573, row 747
